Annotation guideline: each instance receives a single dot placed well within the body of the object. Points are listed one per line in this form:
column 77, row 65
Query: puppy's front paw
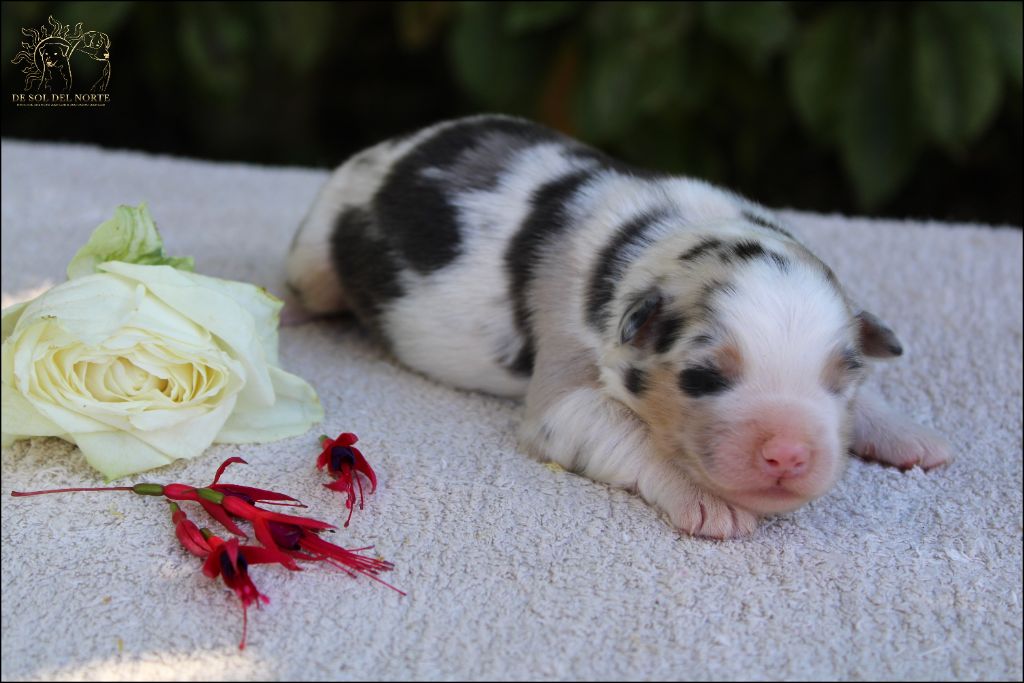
column 911, row 446
column 708, row 516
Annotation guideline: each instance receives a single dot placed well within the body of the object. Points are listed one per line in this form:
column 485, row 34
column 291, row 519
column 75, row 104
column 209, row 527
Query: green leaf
column 878, row 137
column 105, row 17
column 299, row 34
column 957, row 80
column 756, row 30
column 635, row 62
column 499, row 71
column 606, row 102
column 130, row 236
column 820, row 69
column 534, row 15
column 1004, row 22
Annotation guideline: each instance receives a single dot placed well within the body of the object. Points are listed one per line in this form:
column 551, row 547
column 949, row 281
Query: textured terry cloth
column 515, row 570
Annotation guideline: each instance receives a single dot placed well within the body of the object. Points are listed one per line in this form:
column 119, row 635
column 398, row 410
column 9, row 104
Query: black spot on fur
column 669, row 331
column 709, row 290
column 702, row 308
column 366, row 265
column 523, row 363
column 781, row 261
column 765, row 223
column 612, row 263
column 548, row 218
column 635, row 380
column 700, row 249
column 702, row 340
column 413, row 203
column 702, row 381
column 748, row 249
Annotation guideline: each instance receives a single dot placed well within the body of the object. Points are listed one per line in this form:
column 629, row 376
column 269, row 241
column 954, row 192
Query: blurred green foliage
column 888, row 108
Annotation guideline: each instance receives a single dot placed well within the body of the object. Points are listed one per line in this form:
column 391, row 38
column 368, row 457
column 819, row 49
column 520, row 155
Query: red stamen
column 245, row 624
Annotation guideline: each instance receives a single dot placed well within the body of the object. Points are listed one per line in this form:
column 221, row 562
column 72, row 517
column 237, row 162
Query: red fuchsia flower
column 345, row 463
column 260, row 520
column 226, row 559
column 285, row 537
column 305, row 544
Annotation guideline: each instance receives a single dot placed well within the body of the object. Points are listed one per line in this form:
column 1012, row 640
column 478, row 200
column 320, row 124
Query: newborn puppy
column 669, row 336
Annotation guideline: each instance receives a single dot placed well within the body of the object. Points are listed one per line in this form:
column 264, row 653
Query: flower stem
column 39, row 493
column 141, row 489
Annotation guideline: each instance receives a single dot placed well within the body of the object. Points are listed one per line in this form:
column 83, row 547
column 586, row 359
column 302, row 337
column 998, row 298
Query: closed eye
column 842, row 370
column 702, row 380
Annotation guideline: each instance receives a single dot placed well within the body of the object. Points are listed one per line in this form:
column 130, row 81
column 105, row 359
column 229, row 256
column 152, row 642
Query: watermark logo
column 64, row 67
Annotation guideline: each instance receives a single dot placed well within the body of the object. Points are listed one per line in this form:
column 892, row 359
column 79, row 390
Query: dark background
column 871, row 108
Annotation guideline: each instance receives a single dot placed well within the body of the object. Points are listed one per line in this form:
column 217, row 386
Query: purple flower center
column 340, row 455
column 286, row 536
column 225, row 566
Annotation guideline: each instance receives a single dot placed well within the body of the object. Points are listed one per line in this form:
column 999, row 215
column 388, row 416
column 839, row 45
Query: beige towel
column 516, row 571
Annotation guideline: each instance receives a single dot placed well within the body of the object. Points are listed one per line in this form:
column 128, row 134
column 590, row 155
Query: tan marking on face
column 729, row 361
column 834, row 372
column 669, row 412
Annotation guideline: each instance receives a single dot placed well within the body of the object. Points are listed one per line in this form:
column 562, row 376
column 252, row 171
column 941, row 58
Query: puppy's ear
column 876, row 338
column 637, row 324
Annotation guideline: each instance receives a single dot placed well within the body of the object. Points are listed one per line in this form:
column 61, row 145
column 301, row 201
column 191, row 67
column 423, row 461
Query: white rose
column 142, row 364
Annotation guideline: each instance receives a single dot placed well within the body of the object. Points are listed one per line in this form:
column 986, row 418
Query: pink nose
column 784, row 458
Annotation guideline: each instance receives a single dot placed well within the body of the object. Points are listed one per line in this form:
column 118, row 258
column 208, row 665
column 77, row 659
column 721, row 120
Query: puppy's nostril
column 784, row 458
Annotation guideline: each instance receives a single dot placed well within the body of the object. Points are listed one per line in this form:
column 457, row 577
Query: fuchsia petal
column 192, row 539
column 218, row 513
column 256, row 555
column 231, row 548
column 364, row 467
column 224, row 465
column 345, row 439
column 240, row 508
column 258, row 495
column 267, row 539
column 211, row 567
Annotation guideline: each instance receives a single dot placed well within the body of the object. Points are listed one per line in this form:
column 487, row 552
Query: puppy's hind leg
column 314, row 287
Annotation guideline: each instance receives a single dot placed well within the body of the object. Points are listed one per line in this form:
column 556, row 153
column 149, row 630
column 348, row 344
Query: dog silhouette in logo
column 52, row 59
column 96, row 46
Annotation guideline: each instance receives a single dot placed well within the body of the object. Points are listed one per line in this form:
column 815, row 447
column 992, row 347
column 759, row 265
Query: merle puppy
column 669, row 336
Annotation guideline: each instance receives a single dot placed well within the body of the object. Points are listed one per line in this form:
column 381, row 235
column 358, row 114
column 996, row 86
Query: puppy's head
column 743, row 355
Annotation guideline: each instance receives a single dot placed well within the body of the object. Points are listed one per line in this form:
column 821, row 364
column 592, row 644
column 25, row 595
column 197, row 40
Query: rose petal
column 296, row 409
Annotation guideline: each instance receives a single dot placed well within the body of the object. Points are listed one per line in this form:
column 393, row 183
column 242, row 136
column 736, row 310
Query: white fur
column 465, row 305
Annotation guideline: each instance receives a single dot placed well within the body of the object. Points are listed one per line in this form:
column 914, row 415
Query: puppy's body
column 669, row 336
